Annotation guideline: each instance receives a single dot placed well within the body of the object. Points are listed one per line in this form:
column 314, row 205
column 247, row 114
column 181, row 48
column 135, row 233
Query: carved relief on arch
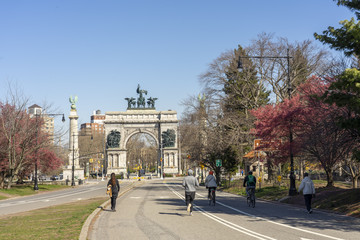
column 168, row 138
column 113, row 139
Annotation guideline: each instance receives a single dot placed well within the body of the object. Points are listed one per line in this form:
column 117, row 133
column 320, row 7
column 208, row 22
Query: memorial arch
column 139, row 118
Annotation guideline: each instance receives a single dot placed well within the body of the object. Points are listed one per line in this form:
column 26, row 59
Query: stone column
column 73, row 139
column 73, row 147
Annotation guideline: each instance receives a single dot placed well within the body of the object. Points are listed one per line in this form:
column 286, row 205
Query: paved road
column 78, row 193
column 156, row 210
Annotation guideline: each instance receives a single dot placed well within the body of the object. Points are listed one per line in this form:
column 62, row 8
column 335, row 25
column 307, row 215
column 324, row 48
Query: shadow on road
column 264, row 211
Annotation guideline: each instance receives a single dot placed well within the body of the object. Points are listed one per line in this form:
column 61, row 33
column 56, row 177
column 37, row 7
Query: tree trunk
column 10, row 180
column 2, row 179
column 329, row 177
column 302, row 166
column 355, row 181
column 217, row 173
column 270, row 170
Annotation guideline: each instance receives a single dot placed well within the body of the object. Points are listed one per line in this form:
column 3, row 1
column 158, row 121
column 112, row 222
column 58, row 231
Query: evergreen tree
column 347, row 37
column 345, row 92
column 242, row 88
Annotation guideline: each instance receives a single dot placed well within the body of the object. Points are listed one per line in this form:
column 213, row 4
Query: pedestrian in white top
column 308, row 189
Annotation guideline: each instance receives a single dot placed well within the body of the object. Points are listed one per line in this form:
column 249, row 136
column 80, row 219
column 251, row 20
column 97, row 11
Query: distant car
column 94, row 174
column 61, row 176
column 54, row 177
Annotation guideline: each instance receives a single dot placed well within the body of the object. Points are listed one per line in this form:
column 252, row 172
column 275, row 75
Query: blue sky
column 101, row 50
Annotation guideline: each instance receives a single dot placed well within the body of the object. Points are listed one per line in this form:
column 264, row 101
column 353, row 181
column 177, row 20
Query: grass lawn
column 57, row 222
column 3, row 197
column 23, row 190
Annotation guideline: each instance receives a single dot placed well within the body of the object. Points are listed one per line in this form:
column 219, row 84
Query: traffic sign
column 218, row 162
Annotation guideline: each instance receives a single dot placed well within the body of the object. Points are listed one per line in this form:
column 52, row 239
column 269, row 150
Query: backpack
column 251, row 180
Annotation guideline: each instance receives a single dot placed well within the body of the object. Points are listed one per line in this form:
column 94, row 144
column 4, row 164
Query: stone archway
column 133, row 121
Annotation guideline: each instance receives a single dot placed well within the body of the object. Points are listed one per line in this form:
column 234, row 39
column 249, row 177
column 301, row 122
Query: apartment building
column 96, row 124
column 48, row 127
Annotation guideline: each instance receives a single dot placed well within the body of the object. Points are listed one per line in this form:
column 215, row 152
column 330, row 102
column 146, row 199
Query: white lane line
column 225, row 222
column 280, row 224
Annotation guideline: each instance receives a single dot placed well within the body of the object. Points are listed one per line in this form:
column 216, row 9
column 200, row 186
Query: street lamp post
column 36, row 186
column 161, row 161
column 292, row 190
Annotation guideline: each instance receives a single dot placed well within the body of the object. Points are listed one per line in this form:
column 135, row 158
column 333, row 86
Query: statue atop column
column 73, row 101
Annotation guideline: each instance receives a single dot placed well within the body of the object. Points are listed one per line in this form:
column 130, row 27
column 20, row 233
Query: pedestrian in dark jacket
column 190, row 183
column 115, row 189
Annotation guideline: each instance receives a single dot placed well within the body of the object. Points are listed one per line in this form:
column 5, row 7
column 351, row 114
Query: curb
column 86, row 226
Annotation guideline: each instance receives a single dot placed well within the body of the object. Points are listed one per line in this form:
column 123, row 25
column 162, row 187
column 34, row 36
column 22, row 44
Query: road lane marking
column 280, row 224
column 225, row 222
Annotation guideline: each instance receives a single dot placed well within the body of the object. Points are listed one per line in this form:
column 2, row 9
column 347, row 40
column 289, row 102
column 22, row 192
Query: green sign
column 218, row 163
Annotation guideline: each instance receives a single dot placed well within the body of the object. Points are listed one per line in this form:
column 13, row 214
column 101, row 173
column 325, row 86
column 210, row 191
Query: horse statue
column 131, row 102
column 141, row 99
column 151, row 102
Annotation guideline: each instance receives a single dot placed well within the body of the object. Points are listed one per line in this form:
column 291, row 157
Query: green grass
column 340, row 200
column 57, row 222
column 3, row 197
column 23, row 190
column 272, row 193
column 268, row 193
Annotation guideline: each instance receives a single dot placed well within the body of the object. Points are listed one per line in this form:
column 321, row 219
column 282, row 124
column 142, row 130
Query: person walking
column 308, row 189
column 190, row 183
column 115, row 189
column 210, row 183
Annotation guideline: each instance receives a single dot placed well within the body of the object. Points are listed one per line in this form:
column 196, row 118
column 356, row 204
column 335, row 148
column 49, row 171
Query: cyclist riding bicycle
column 249, row 182
column 210, row 182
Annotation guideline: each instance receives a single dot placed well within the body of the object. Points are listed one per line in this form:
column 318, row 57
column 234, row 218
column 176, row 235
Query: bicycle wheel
column 210, row 198
column 248, row 201
column 253, row 200
column 213, row 196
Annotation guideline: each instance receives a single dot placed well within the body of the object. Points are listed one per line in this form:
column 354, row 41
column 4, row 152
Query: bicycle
column 251, row 197
column 212, row 196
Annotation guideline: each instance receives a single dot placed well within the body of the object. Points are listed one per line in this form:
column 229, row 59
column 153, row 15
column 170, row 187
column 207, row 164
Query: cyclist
column 250, row 182
column 210, row 183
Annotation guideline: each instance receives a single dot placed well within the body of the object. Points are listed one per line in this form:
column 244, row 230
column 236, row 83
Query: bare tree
column 353, row 169
column 23, row 141
column 142, row 151
column 306, row 60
